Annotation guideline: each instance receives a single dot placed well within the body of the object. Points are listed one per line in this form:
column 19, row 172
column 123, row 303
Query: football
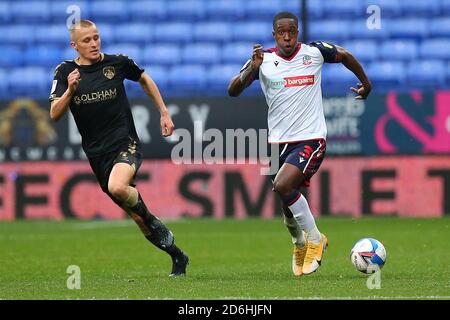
column 368, row 255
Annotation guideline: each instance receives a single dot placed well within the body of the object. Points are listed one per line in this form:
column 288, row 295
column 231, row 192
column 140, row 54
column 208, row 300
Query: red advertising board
column 400, row 185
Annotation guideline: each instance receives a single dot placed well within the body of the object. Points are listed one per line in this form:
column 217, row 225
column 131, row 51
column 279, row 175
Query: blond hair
column 78, row 25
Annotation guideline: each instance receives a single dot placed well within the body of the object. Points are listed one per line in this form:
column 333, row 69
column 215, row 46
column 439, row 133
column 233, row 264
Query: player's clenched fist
column 257, row 56
column 73, row 79
column 167, row 125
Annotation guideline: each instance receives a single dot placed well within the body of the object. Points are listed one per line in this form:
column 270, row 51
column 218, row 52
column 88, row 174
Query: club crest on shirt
column 307, row 60
column 109, row 72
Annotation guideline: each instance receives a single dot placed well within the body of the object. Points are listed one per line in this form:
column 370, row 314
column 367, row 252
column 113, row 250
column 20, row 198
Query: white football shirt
column 292, row 88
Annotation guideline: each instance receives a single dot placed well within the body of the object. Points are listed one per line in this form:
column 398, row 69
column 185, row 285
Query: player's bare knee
column 283, row 188
column 118, row 190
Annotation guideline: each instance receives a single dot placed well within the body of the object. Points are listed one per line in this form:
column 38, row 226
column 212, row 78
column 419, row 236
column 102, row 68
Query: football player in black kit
column 92, row 87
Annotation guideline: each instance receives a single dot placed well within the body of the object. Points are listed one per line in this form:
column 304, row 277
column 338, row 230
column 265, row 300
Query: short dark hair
column 284, row 15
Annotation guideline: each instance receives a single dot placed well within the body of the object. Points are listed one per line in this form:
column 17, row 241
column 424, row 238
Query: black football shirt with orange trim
column 100, row 105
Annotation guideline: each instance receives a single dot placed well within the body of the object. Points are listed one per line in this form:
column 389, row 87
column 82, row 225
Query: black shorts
column 102, row 165
column 306, row 155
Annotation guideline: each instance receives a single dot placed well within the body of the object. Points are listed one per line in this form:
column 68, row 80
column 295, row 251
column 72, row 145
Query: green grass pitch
column 230, row 259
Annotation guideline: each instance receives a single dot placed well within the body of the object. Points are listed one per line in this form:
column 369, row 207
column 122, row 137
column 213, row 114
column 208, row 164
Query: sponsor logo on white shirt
column 299, row 81
column 289, row 82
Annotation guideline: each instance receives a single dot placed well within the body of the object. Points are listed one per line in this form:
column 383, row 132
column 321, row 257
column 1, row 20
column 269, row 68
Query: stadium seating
column 252, row 32
column 447, row 71
column 224, row 10
column 261, row 10
column 389, row 74
column 145, row 11
column 438, row 48
column 19, row 34
column 52, row 34
column 185, row 10
column 218, row 76
column 329, row 30
column 159, row 74
column 342, row 9
column 42, row 55
column 208, row 54
column 315, row 9
column 212, row 32
column 187, row 78
column 420, row 7
column 5, row 12
column 365, row 50
column 30, row 11
column 11, row 56
column 426, row 73
column 30, row 81
column 236, row 52
column 107, row 11
column 138, row 33
column 195, row 46
column 178, row 32
column 3, row 81
column 445, row 7
column 165, row 54
column 338, row 79
column 408, row 28
column 399, row 50
column 68, row 54
column 440, row 27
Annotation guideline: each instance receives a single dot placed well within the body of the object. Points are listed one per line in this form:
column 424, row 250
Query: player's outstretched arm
column 245, row 78
column 59, row 106
column 152, row 91
column 349, row 61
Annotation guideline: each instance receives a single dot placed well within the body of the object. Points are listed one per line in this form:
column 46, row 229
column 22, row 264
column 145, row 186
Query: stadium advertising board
column 399, row 185
column 43, row 173
column 413, row 123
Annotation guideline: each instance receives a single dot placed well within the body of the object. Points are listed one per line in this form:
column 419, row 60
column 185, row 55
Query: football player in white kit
column 290, row 77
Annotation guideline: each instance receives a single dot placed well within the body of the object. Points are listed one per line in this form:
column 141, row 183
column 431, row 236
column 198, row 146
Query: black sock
column 160, row 235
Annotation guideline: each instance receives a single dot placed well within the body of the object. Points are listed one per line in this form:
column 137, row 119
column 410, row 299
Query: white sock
column 296, row 232
column 302, row 213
